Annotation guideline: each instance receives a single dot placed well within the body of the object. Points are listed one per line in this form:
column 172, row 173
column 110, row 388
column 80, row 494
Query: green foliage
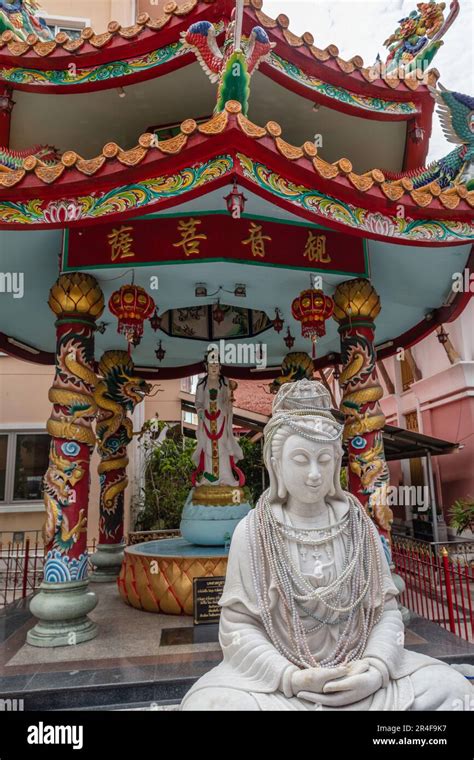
column 168, row 468
column 344, row 479
column 462, row 514
column 251, row 466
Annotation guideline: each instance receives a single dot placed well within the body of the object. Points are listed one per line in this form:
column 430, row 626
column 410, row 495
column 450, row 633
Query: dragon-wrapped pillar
column 64, row 601
column 116, row 395
column 6, row 108
column 357, row 305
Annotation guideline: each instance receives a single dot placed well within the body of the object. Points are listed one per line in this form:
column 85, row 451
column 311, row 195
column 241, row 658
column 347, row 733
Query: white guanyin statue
column 217, row 450
column 217, row 500
column 309, row 618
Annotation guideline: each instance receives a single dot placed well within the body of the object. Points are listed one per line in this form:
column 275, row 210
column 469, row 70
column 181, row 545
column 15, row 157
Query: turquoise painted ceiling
column 411, row 281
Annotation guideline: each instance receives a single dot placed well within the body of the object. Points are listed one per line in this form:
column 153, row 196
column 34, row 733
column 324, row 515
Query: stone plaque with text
column 206, row 595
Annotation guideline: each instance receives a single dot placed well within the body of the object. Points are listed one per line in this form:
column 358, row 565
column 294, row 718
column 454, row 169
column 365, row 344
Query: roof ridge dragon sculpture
column 231, row 66
column 20, row 17
column 13, row 159
column 418, row 37
column 456, row 114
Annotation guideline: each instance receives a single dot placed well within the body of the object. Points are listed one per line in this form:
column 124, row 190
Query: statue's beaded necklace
column 359, row 581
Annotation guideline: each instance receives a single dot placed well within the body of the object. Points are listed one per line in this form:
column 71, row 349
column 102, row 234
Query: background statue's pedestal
column 212, row 513
column 107, row 561
column 157, row 576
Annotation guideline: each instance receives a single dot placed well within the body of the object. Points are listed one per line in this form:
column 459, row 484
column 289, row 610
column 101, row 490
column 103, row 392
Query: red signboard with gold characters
column 213, row 237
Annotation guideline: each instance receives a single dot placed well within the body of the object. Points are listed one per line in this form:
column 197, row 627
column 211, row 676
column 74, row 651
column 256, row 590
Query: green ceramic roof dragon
column 456, row 114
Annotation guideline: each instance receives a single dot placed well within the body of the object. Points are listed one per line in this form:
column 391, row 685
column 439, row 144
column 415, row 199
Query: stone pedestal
column 211, row 514
column 62, row 609
column 107, row 562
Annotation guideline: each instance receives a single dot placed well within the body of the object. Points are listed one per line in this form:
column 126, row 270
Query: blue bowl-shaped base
column 211, row 526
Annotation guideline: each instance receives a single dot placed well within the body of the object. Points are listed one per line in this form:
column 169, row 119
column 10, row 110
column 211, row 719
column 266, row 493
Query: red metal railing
column 21, row 565
column 439, row 582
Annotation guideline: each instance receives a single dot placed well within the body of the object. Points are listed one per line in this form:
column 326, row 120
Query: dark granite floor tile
column 200, row 634
column 440, row 643
column 9, row 625
column 60, row 680
column 14, row 683
column 123, row 675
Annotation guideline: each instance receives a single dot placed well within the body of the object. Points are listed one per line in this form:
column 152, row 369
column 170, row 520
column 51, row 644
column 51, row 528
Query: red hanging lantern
column 218, row 313
column 312, row 308
column 289, row 339
column 278, row 322
column 155, row 321
column 131, row 305
column 235, row 201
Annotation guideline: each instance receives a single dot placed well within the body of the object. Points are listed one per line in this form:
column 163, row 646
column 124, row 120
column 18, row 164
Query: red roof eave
column 230, row 133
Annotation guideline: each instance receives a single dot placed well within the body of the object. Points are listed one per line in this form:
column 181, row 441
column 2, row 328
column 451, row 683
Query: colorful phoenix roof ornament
column 233, row 65
column 416, row 41
column 20, row 17
column 456, row 114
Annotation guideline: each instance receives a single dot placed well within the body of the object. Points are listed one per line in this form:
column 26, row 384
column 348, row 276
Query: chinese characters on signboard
column 214, row 237
column 121, row 242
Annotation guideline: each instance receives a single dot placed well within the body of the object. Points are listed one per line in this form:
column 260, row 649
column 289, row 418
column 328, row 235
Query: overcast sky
column 359, row 27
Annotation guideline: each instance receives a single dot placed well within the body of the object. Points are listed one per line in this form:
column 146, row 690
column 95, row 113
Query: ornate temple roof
column 120, row 43
column 90, row 41
column 279, row 29
column 72, row 168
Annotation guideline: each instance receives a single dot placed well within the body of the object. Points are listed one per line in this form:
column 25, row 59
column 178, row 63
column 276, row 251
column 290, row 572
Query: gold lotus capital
column 356, row 299
column 76, row 293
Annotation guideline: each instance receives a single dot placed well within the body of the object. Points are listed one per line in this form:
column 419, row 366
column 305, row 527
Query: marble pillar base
column 107, row 561
column 62, row 609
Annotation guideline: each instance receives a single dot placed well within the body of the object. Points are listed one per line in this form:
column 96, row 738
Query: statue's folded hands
column 339, row 686
column 314, row 680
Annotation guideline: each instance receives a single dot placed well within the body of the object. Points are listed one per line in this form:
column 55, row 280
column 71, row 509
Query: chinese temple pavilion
column 208, row 175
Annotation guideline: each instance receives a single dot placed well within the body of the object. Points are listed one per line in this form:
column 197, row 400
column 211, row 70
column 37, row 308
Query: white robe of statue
column 227, row 444
column 254, row 675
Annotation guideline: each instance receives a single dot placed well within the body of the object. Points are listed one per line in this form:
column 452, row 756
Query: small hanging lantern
column 160, row 352
column 218, row 313
column 131, row 305
column 236, row 201
column 155, row 321
column 417, row 133
column 312, row 308
column 289, row 339
column 278, row 322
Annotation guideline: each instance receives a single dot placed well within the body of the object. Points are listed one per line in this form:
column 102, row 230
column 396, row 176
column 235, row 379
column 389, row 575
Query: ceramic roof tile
column 393, row 188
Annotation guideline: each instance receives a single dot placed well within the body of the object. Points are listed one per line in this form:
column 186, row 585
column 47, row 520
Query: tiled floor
column 127, row 661
column 139, row 657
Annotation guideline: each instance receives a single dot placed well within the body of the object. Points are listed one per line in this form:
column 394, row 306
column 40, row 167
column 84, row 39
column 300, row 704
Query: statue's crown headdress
column 304, row 406
column 303, row 394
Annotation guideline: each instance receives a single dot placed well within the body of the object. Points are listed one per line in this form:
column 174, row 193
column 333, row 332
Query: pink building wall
column 444, row 401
